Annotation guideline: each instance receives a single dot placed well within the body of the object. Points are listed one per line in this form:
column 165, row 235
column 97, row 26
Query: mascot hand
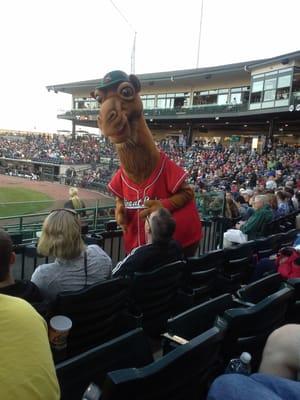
column 120, row 214
column 152, row 205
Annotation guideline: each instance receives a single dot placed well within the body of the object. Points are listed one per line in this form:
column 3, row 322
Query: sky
column 45, row 42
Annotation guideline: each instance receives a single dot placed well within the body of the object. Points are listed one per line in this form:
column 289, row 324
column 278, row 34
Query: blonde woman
column 74, row 202
column 76, row 265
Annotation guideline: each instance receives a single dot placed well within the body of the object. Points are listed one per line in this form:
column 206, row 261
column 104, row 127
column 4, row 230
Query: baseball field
column 19, row 196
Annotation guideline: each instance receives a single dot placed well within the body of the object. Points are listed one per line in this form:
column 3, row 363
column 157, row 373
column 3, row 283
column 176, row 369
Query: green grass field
column 16, row 201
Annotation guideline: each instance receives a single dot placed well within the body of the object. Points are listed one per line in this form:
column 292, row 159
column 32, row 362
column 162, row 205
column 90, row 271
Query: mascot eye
column 127, row 92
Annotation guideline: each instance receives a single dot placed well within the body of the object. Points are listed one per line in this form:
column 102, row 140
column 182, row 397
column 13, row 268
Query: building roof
column 165, row 77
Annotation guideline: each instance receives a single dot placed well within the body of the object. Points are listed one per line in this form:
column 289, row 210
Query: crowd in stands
column 55, row 149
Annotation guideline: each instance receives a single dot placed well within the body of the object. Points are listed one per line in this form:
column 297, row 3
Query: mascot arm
column 178, row 200
column 120, row 214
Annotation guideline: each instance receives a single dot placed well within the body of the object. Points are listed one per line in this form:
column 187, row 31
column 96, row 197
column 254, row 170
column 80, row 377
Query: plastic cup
column 58, row 331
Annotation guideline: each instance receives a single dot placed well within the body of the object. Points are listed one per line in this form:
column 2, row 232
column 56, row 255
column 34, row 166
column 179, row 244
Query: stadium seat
column 257, row 291
column 199, row 278
column 294, row 309
column 154, row 295
column 265, row 247
column 237, row 267
column 197, row 320
column 289, row 238
column 99, row 313
column 248, row 328
column 75, row 374
column 184, row 373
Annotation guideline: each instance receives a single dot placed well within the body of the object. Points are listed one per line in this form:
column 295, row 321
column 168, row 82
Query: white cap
column 245, row 357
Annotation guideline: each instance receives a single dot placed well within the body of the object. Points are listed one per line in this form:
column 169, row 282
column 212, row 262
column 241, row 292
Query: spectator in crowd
column 244, row 210
column 8, row 285
column 271, row 183
column 281, row 353
column 75, row 202
column 278, row 372
column 76, row 266
column 231, row 208
column 283, row 207
column 257, row 386
column 160, row 248
column 253, row 228
column 27, row 370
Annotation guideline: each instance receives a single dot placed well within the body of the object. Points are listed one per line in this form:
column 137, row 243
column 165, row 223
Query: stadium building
column 244, row 102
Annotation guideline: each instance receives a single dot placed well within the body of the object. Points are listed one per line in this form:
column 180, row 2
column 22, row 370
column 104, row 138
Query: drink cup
column 58, row 331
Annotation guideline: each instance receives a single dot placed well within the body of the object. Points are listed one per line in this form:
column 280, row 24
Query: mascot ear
column 134, row 80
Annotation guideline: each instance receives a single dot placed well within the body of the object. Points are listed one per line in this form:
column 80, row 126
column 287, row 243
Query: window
column 269, row 95
column 270, row 84
column 256, row 97
column 222, row 99
column 257, row 86
column 271, row 89
column 284, row 81
column 173, row 100
column 235, row 98
column 148, row 101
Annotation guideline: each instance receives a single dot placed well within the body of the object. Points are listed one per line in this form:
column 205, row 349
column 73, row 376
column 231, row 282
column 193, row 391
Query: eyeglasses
column 69, row 210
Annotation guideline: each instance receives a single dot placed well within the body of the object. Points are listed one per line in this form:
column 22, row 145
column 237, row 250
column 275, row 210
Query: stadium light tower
column 199, row 36
column 132, row 69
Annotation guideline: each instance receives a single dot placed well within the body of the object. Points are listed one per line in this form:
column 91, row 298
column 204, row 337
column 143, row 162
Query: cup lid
column 60, row 323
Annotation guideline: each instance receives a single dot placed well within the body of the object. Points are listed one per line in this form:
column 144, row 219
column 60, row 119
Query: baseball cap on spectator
column 271, row 173
column 112, row 78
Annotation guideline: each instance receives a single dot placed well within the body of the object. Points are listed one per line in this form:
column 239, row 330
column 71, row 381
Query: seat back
column 75, row 374
column 182, row 374
column 199, row 278
column 97, row 313
column 265, row 247
column 199, row 319
column 248, row 328
column 154, row 294
column 238, row 265
column 257, row 291
column 289, row 238
column 294, row 309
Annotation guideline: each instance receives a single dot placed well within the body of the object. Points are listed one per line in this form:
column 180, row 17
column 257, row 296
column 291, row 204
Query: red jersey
column 164, row 181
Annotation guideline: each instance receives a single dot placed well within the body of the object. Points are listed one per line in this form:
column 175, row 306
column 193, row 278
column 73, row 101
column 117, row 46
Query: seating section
column 182, row 374
column 129, row 350
column 99, row 313
column 237, row 267
column 257, row 291
column 248, row 326
column 204, row 312
column 154, row 294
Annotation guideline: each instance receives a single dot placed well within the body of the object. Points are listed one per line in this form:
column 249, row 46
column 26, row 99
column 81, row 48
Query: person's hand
column 151, row 206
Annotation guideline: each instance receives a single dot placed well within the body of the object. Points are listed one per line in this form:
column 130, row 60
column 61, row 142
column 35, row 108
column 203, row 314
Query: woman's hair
column 272, row 200
column 73, row 192
column 281, row 195
column 61, row 235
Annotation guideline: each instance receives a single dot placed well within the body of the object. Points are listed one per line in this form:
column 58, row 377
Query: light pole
column 199, row 37
column 134, row 39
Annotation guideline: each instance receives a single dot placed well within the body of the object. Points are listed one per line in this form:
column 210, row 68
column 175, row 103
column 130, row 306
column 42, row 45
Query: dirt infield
column 57, row 191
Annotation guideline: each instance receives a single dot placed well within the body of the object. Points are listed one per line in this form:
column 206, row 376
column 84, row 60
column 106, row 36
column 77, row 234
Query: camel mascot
column 147, row 178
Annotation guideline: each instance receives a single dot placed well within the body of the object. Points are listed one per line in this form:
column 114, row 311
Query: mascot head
column 120, row 106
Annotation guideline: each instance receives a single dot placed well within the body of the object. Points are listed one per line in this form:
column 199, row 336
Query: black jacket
column 149, row 257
